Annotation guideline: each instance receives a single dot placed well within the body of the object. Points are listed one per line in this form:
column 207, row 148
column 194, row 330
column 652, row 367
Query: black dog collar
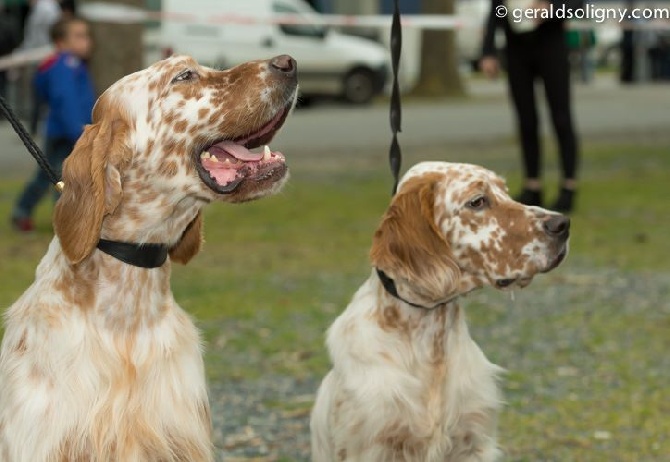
column 140, row 255
column 389, row 286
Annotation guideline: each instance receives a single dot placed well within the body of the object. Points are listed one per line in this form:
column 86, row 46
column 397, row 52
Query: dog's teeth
column 267, row 153
column 205, row 155
column 214, row 159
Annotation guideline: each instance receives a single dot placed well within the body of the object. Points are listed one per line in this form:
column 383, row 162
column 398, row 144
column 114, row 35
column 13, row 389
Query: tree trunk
column 439, row 75
column 118, row 49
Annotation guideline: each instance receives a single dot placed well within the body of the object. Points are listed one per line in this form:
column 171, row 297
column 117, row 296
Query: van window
column 303, row 30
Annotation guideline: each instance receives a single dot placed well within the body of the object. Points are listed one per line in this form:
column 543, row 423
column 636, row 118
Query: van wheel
column 359, row 86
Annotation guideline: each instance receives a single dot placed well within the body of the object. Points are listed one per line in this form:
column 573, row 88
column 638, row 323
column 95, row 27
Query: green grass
column 276, row 272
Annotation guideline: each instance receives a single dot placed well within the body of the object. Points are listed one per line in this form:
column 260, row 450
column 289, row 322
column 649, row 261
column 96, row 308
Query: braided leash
column 395, row 155
column 30, row 144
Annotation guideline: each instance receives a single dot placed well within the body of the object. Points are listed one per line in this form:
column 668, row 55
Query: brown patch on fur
column 389, row 317
column 203, row 112
column 168, row 169
column 78, row 285
column 410, row 248
column 342, row 454
column 440, row 335
column 21, row 347
column 92, row 182
column 401, row 443
column 386, row 356
column 67, row 452
column 190, row 243
column 181, row 126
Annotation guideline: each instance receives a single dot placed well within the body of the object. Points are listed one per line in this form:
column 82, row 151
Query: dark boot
column 529, row 197
column 565, row 201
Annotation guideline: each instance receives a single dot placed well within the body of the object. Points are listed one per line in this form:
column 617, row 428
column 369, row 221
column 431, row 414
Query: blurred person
column 17, row 9
column 659, row 57
column 64, row 83
column 627, row 49
column 42, row 15
column 537, row 49
column 581, row 46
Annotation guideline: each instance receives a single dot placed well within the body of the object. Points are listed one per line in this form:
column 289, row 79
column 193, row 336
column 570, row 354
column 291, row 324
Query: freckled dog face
column 493, row 238
column 207, row 130
column 452, row 228
column 168, row 139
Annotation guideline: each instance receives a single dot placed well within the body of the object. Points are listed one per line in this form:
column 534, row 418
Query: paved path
column 603, row 108
column 600, row 110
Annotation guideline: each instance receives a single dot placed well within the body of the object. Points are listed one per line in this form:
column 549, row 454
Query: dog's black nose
column 284, row 64
column 557, row 226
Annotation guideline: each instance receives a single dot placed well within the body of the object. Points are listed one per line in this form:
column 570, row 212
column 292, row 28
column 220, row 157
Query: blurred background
column 585, row 346
column 349, row 63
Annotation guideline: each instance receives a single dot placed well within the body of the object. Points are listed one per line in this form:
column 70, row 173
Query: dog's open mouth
column 225, row 164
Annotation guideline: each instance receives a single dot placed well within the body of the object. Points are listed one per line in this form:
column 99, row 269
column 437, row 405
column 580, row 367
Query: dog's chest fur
column 82, row 379
column 416, row 386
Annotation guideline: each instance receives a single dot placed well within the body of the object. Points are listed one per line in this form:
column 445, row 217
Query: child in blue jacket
column 62, row 82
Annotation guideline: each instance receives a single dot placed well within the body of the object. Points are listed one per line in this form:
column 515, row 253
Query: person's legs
column 521, row 80
column 33, row 192
column 554, row 70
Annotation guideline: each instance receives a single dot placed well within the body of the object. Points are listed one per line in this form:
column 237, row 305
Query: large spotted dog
column 98, row 362
column 408, row 382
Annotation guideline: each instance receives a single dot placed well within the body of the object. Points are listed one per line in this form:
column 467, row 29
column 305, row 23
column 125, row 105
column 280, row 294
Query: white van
column 329, row 63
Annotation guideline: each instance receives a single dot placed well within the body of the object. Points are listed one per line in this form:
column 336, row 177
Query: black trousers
column 542, row 54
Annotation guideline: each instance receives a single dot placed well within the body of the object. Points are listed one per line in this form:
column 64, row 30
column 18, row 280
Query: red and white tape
column 123, row 14
column 24, row 57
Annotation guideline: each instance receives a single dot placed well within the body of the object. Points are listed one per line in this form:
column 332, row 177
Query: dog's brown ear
column 409, row 247
column 190, row 242
column 92, row 188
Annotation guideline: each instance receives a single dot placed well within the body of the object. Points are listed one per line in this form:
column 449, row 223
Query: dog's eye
column 478, row 203
column 185, row 76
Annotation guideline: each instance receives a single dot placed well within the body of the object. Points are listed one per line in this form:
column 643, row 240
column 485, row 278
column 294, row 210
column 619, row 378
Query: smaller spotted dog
column 99, row 363
column 408, row 382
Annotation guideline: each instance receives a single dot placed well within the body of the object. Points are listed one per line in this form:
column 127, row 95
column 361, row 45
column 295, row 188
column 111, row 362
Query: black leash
column 395, row 115
column 30, row 144
column 395, row 155
column 140, row 255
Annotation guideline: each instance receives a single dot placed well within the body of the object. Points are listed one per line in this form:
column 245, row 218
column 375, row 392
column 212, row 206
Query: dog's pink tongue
column 236, row 150
column 223, row 176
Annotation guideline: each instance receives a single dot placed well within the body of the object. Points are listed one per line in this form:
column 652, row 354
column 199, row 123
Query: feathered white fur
column 409, row 383
column 98, row 362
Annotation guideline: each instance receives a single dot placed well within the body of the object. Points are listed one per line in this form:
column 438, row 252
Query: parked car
column 329, row 62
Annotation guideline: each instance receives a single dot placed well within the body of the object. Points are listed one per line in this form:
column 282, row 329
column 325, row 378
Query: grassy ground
column 588, row 368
